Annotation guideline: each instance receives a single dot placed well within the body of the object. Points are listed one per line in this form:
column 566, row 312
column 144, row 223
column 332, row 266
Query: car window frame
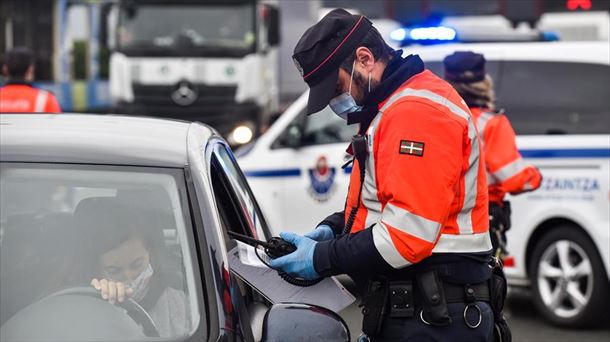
column 215, row 144
column 185, row 188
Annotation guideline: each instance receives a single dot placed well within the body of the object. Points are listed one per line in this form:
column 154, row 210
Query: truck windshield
column 199, row 29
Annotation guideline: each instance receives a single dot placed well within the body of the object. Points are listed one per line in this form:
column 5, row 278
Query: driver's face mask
column 141, row 283
column 345, row 103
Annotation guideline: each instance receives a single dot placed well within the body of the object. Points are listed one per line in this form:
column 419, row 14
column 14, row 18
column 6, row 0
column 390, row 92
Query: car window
column 325, row 127
column 238, row 208
column 62, row 226
column 555, row 97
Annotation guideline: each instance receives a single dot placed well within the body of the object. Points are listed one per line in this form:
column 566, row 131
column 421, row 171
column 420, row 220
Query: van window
column 325, row 127
column 555, row 97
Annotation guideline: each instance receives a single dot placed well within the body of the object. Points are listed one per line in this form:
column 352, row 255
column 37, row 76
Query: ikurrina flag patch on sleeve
column 411, row 147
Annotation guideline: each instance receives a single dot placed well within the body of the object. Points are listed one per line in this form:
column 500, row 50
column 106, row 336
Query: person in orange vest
column 414, row 233
column 506, row 170
column 18, row 95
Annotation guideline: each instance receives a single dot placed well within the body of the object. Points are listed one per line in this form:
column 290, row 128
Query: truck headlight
column 242, row 134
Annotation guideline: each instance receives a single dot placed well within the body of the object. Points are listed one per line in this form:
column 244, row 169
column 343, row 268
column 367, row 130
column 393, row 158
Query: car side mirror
column 303, row 322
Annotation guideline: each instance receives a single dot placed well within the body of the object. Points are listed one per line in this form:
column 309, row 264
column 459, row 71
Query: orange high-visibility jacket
column 506, row 170
column 425, row 189
column 23, row 98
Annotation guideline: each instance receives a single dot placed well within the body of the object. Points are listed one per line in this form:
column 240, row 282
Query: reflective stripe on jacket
column 425, row 189
column 506, row 170
column 23, row 98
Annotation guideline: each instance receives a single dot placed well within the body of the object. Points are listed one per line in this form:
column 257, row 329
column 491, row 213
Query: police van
column 556, row 97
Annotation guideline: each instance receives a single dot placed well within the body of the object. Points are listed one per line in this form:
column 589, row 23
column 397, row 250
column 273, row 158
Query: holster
column 434, row 301
column 497, row 292
column 373, row 305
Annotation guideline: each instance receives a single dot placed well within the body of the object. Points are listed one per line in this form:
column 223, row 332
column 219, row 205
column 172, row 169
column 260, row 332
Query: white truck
column 208, row 60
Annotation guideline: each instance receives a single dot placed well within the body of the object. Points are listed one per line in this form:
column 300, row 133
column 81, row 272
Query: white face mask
column 345, row 103
column 140, row 284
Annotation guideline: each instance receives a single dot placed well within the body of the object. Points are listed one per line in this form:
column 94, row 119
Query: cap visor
column 321, row 94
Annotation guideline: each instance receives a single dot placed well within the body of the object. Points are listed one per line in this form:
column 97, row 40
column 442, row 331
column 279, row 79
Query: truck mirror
column 104, row 13
column 273, row 25
column 302, row 322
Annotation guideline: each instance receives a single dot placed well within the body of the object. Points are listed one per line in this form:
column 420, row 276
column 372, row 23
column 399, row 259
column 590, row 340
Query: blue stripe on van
column 273, row 173
column 567, row 153
column 530, row 153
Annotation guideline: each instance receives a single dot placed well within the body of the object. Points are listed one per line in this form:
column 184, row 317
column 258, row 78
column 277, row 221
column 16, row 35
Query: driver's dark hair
column 17, row 61
column 374, row 42
column 106, row 223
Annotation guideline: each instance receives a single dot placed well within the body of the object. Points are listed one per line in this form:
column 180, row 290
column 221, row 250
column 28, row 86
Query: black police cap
column 322, row 49
column 464, row 66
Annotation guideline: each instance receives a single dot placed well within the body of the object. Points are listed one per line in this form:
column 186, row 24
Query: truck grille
column 161, row 95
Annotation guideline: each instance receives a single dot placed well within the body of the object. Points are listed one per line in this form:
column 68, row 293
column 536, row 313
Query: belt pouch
column 401, row 299
column 434, row 300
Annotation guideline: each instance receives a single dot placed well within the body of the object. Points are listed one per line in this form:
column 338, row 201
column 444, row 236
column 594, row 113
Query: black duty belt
column 455, row 293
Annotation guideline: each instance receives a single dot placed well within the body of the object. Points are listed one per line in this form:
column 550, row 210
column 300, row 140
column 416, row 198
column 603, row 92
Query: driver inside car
column 124, row 262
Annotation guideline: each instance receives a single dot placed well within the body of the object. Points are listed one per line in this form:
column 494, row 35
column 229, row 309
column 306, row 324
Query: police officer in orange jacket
column 506, row 170
column 18, row 95
column 414, row 230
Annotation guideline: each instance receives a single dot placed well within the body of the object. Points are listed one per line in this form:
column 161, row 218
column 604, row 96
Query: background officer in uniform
column 506, row 170
column 18, row 95
column 415, row 226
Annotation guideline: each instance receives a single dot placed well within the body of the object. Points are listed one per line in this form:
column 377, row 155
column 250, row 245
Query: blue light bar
column 399, row 34
column 435, row 33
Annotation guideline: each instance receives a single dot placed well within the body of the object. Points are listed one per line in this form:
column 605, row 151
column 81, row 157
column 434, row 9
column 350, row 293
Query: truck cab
column 209, row 61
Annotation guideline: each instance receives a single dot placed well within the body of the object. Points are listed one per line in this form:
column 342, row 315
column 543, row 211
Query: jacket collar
column 397, row 72
column 17, row 82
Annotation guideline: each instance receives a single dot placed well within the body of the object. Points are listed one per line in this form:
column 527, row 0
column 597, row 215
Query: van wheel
column 570, row 285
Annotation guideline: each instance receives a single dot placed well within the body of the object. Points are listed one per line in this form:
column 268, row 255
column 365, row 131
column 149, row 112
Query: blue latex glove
column 300, row 262
column 322, row 233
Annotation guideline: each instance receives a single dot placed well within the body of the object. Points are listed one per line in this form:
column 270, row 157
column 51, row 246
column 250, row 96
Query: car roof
column 574, row 52
column 97, row 139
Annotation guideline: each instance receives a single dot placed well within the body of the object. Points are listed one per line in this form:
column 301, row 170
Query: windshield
column 94, row 253
column 187, row 27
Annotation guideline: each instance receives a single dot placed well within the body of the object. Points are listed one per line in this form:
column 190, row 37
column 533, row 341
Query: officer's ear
column 365, row 58
column 4, row 70
column 29, row 73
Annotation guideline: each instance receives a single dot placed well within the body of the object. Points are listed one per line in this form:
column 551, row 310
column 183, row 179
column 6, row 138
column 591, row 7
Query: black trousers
column 415, row 330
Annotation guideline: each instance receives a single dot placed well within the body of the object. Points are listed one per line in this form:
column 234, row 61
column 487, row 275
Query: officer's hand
column 322, row 233
column 112, row 290
column 300, row 262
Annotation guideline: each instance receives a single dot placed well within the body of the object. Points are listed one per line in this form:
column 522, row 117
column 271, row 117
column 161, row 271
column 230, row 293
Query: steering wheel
column 134, row 310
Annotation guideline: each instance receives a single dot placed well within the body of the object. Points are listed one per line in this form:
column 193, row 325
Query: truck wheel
column 571, row 288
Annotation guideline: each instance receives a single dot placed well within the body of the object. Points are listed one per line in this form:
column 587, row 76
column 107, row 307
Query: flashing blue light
column 399, row 34
column 433, row 33
column 549, row 36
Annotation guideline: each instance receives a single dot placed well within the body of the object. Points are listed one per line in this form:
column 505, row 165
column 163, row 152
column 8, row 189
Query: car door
column 314, row 147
